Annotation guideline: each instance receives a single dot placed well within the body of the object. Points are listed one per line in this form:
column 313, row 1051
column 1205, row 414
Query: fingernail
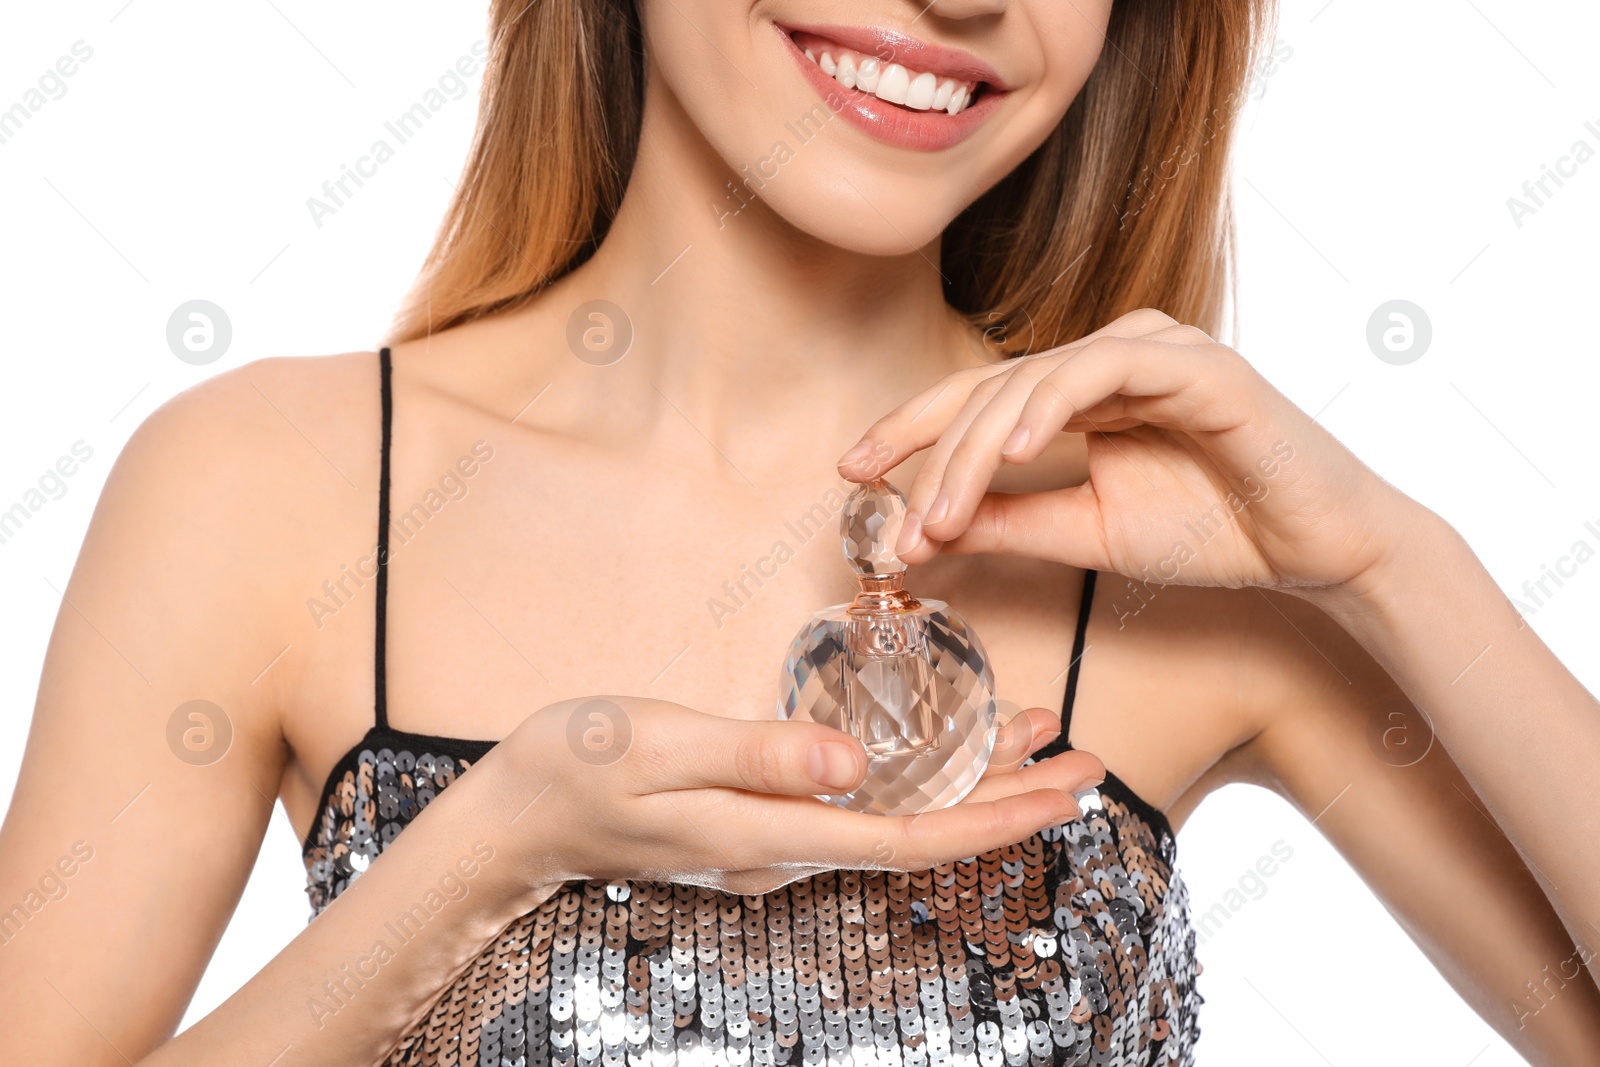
column 859, row 452
column 940, row 505
column 833, row 764
column 1015, row 443
column 910, row 534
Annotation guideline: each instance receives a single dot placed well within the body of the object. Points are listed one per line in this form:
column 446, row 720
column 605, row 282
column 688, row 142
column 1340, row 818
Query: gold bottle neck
column 882, row 594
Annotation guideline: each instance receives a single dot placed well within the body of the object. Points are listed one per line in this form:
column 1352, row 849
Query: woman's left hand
column 1200, row 472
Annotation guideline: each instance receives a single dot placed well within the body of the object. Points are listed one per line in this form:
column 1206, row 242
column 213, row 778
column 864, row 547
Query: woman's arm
column 1341, row 741
column 1524, row 731
column 134, row 824
column 376, row 960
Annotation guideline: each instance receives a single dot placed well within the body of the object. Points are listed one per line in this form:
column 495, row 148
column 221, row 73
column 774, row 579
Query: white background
column 1376, row 165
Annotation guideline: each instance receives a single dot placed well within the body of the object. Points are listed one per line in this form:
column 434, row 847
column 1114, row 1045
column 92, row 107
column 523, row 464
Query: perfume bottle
column 907, row 677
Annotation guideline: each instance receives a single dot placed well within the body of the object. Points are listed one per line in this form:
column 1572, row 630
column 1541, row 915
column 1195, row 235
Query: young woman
column 572, row 507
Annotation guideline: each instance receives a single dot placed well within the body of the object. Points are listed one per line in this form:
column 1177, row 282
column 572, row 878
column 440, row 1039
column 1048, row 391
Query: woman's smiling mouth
column 903, row 91
column 917, row 90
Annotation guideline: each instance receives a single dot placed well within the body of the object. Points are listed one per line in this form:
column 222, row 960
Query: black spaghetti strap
column 380, row 700
column 1061, row 742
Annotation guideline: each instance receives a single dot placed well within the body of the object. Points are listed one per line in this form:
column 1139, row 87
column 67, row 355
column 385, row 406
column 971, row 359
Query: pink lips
column 927, row 131
column 892, row 47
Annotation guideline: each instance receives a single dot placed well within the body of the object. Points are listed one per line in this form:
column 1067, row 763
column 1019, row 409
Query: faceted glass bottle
column 907, row 677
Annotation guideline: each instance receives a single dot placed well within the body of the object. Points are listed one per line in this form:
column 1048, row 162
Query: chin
column 854, row 206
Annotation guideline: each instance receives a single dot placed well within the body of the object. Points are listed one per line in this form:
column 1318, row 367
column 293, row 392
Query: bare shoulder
column 1181, row 686
column 226, row 493
column 252, row 450
column 244, row 412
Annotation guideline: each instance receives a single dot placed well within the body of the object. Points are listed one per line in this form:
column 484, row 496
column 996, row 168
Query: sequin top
column 1073, row 946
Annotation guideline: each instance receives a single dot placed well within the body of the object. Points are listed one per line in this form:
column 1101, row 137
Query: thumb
column 1020, row 735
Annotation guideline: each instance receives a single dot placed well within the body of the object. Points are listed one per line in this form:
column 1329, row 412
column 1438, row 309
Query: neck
column 764, row 339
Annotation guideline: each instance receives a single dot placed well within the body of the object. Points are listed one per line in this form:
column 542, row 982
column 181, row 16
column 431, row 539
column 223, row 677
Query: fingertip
column 855, row 454
column 1084, row 768
column 838, row 763
column 925, row 548
column 1043, row 737
column 910, row 538
column 1065, row 806
column 1014, row 739
column 1016, row 442
column 869, row 459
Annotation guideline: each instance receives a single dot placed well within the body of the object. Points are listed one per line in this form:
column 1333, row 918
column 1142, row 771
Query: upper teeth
column 918, row 90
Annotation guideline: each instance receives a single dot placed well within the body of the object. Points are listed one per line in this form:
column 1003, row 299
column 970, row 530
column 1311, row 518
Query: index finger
column 912, row 426
column 921, row 420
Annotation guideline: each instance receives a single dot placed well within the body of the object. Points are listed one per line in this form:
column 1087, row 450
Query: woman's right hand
column 619, row 787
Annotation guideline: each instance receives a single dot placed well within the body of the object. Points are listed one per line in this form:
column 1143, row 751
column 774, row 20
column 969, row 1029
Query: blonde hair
column 1125, row 205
